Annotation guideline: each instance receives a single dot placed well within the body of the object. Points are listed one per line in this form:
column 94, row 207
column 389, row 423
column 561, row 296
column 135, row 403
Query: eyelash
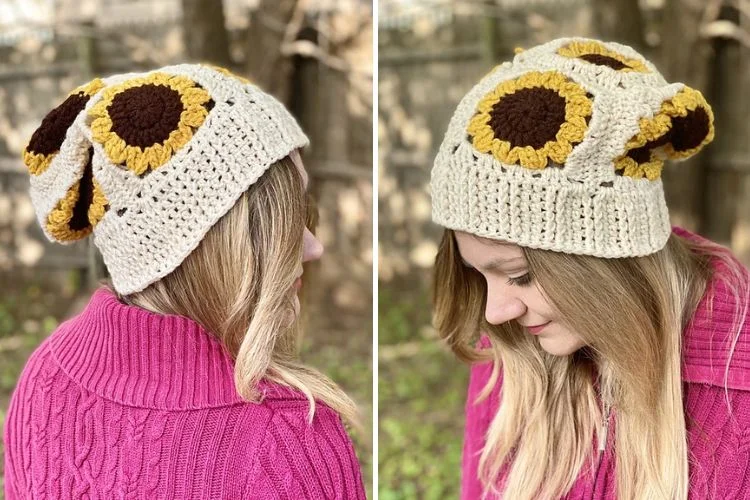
column 521, row 280
column 311, row 212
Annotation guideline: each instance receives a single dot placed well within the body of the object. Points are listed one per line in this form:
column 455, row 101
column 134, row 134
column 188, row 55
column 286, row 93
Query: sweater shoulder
column 300, row 458
column 716, row 343
column 482, row 403
column 478, row 415
column 39, row 364
column 480, row 375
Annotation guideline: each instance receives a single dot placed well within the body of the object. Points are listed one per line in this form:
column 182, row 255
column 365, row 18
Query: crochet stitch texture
column 562, row 149
column 148, row 162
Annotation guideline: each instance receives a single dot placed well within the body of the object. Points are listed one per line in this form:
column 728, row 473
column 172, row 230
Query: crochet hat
column 562, row 149
column 148, row 162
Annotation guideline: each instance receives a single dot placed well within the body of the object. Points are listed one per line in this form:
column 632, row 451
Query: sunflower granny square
column 562, row 149
column 148, row 162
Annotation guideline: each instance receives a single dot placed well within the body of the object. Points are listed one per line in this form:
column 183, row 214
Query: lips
column 537, row 329
column 297, row 283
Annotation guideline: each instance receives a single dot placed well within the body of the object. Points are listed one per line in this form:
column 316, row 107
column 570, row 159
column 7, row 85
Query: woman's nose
column 502, row 306
column 312, row 248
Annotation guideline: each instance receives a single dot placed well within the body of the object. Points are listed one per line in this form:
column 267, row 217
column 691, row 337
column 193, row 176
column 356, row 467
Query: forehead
column 477, row 247
column 297, row 160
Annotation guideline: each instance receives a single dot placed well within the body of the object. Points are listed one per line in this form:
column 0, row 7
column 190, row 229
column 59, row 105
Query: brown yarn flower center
column 145, row 115
column 689, row 131
column 643, row 153
column 80, row 216
column 602, row 60
column 528, row 117
column 50, row 135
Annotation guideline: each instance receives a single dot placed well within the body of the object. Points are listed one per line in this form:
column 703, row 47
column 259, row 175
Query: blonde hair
column 631, row 313
column 237, row 284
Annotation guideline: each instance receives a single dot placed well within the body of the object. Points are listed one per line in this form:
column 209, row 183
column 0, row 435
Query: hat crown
column 549, row 150
column 148, row 162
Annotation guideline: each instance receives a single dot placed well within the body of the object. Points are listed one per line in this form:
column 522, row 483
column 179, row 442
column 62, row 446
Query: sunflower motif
column 142, row 122
column 82, row 207
column 531, row 119
column 596, row 53
column 681, row 128
column 46, row 141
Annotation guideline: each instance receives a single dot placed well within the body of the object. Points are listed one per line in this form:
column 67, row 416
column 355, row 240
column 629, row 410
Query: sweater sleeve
column 478, row 418
column 302, row 460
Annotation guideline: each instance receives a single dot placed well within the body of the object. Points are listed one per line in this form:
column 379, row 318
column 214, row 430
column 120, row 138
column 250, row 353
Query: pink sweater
column 122, row 403
column 720, row 448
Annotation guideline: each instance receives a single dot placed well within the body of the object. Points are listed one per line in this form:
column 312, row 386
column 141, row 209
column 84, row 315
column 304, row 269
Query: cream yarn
column 562, row 149
column 148, row 162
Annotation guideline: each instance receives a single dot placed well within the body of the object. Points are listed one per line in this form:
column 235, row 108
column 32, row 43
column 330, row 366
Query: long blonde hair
column 237, row 285
column 631, row 313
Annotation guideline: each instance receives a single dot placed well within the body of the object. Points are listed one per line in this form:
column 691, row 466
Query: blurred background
column 315, row 56
column 430, row 53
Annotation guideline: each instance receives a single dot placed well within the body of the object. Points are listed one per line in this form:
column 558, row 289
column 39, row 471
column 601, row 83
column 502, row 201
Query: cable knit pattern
column 719, row 443
column 120, row 402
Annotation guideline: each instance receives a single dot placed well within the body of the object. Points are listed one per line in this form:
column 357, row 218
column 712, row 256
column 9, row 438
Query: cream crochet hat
column 562, row 149
column 148, row 162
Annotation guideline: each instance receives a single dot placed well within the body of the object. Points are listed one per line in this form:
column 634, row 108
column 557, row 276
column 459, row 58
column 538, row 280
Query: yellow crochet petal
column 652, row 169
column 559, row 151
column 36, row 163
column 98, row 205
column 501, row 151
column 634, row 170
column 531, row 158
column 582, row 49
column 194, row 117
column 90, row 88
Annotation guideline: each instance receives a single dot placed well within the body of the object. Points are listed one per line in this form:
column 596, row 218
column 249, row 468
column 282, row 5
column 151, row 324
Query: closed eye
column 520, row 280
column 311, row 212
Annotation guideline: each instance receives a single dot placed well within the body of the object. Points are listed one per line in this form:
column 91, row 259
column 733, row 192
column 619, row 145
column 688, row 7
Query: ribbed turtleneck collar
column 708, row 338
column 135, row 357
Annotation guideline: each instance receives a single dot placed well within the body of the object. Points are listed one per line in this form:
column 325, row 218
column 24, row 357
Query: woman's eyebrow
column 494, row 264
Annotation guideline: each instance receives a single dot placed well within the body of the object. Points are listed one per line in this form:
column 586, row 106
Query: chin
column 559, row 347
column 292, row 313
column 297, row 306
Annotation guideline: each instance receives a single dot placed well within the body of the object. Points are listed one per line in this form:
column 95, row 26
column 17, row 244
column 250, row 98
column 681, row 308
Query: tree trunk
column 684, row 58
column 726, row 94
column 619, row 21
column 266, row 64
column 204, row 33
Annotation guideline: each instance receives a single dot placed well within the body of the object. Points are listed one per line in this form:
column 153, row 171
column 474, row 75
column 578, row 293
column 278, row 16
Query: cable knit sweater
column 120, row 402
column 719, row 447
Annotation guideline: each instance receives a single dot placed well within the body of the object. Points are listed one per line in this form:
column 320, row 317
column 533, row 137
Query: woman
column 180, row 379
column 612, row 348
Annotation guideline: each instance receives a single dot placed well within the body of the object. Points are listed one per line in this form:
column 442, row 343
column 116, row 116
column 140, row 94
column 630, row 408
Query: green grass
column 421, row 395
